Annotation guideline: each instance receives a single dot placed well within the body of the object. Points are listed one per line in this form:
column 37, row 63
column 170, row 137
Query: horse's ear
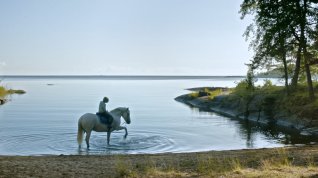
column 127, row 109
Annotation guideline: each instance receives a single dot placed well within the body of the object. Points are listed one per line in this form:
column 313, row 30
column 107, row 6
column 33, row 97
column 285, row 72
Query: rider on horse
column 104, row 115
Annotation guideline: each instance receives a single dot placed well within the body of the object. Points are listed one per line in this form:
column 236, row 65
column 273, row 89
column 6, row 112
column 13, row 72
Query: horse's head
column 126, row 115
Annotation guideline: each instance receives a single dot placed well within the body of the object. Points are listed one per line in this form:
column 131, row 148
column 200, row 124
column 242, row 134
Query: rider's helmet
column 105, row 100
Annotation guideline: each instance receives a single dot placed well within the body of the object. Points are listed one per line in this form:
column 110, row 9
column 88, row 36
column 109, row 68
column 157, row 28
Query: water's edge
column 48, row 113
column 299, row 127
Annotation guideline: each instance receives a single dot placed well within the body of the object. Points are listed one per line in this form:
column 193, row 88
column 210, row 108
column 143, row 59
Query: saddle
column 105, row 118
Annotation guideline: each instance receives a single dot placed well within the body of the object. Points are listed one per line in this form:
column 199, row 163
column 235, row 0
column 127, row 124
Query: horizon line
column 106, row 76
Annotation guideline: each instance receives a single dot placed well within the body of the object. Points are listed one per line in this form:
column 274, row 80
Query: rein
column 122, row 113
column 124, row 123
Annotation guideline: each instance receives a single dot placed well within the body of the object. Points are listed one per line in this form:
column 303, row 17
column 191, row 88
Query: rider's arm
column 102, row 107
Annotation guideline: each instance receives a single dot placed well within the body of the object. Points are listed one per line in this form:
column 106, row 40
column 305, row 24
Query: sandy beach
column 232, row 163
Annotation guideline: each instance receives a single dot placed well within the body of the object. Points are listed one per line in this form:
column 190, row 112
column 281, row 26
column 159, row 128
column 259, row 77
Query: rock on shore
column 233, row 109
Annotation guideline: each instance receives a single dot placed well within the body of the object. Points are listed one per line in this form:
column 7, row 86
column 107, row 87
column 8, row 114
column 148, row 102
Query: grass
column 292, row 171
column 10, row 91
column 300, row 161
column 206, row 92
column 194, row 95
column 4, row 92
column 213, row 93
column 267, row 101
column 273, row 101
column 279, row 163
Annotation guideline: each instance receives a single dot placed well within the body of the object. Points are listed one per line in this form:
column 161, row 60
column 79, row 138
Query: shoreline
column 196, row 164
column 290, row 161
column 5, row 92
column 214, row 105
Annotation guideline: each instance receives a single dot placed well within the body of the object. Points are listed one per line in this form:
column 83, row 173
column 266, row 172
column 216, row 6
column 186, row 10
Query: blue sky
column 122, row 37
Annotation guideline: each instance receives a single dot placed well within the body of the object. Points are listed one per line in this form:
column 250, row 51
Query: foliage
column 214, row 93
column 194, row 95
column 250, row 79
column 299, row 104
column 246, row 86
column 269, row 88
column 11, row 91
column 210, row 93
column 241, row 88
column 284, row 33
column 272, row 101
column 3, row 92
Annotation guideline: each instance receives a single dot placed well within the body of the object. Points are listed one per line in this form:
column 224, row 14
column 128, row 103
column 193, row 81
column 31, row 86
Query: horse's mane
column 117, row 110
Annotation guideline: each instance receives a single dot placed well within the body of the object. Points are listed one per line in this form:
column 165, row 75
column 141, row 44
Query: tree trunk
column 305, row 53
column 283, row 58
column 308, row 76
column 294, row 82
column 285, row 71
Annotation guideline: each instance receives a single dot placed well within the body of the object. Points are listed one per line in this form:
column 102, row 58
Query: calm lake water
column 44, row 120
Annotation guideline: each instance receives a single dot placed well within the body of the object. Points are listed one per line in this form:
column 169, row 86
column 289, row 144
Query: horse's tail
column 79, row 133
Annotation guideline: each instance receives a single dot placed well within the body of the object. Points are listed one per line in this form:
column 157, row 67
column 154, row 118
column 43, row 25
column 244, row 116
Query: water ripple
column 139, row 142
column 65, row 143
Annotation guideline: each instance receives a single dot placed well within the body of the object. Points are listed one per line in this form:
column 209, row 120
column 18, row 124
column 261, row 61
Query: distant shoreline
column 122, row 76
column 125, row 77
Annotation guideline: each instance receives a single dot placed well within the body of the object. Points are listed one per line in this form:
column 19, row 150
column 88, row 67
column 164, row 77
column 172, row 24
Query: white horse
column 89, row 122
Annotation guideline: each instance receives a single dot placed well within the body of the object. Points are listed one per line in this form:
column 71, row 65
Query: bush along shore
column 5, row 92
column 267, row 105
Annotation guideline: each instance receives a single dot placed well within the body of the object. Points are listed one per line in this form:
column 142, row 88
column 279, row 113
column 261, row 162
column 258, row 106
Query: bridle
column 127, row 112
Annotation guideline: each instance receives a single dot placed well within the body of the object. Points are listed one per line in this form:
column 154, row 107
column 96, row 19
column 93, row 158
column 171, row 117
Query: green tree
column 283, row 29
column 271, row 36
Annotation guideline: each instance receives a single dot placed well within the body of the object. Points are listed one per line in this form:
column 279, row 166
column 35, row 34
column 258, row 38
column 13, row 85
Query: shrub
column 214, row 93
column 194, row 94
column 16, row 91
column 3, row 91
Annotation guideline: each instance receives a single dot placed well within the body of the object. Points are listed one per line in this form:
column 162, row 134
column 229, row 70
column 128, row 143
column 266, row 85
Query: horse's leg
column 125, row 136
column 121, row 128
column 88, row 134
column 108, row 137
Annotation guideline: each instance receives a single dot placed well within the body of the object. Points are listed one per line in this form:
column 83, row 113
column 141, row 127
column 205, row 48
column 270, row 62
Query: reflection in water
column 272, row 132
column 248, row 130
column 44, row 121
